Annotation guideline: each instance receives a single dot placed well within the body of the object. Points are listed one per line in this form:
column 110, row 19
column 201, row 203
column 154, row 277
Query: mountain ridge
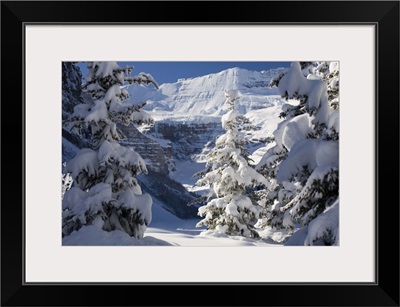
column 205, row 95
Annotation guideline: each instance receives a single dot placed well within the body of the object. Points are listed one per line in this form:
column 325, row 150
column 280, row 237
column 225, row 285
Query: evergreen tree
column 71, row 87
column 105, row 192
column 72, row 95
column 229, row 209
column 303, row 164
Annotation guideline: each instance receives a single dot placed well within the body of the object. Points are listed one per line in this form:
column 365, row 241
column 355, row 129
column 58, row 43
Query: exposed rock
column 157, row 157
column 187, row 139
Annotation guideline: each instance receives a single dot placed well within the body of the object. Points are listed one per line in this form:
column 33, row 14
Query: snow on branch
column 295, row 85
column 142, row 78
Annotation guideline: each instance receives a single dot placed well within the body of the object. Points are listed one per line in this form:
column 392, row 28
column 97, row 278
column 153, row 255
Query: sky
column 170, row 72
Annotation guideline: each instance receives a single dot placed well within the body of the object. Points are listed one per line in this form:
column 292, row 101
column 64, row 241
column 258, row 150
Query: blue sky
column 169, row 72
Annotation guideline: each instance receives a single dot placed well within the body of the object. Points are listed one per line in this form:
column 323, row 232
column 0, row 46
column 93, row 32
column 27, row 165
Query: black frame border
column 383, row 14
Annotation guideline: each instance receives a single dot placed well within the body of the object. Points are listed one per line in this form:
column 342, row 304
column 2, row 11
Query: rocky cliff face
column 187, row 140
column 158, row 158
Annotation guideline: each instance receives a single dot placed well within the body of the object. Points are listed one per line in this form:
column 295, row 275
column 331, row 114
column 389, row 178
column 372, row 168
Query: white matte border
column 48, row 261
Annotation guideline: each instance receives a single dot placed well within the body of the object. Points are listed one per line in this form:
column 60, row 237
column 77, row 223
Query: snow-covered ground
column 92, row 236
column 165, row 230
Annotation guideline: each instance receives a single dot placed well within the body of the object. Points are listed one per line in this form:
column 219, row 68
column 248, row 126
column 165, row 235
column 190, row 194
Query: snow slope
column 205, row 96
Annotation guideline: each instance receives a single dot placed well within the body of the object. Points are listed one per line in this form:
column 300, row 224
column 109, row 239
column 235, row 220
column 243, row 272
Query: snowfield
column 92, row 236
column 165, row 230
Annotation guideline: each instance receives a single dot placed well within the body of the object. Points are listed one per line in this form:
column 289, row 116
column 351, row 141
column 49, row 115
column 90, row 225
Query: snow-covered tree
column 303, row 164
column 71, row 87
column 229, row 209
column 105, row 192
column 66, row 183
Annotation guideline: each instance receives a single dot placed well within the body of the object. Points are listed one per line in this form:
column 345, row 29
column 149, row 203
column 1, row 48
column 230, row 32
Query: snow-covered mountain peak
column 205, row 96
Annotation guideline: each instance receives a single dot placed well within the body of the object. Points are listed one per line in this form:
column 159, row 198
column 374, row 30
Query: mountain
column 188, row 113
column 205, row 96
